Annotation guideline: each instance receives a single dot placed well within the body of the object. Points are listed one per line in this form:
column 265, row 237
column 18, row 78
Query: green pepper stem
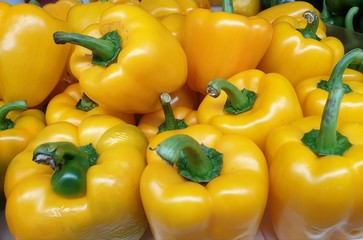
column 312, row 24
column 327, row 137
column 227, row 6
column 327, row 140
column 70, row 165
column 238, row 101
column 104, row 50
column 170, row 121
column 348, row 22
column 6, row 123
column 85, row 103
column 191, row 159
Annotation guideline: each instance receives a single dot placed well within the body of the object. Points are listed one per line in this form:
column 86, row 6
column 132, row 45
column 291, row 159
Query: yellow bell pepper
column 244, row 7
column 315, row 172
column 174, row 22
column 313, row 92
column 81, row 16
column 170, row 117
column 132, row 64
column 250, row 101
column 73, row 106
column 298, row 53
column 17, row 127
column 221, row 44
column 159, row 8
column 31, row 63
column 78, row 182
column 60, row 8
column 293, row 9
column 197, row 198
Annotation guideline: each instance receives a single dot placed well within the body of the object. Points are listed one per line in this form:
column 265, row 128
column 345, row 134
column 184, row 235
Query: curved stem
column 227, row 6
column 238, row 101
column 194, row 161
column 6, row 123
column 70, row 165
column 104, row 50
column 327, row 141
column 312, row 24
column 349, row 17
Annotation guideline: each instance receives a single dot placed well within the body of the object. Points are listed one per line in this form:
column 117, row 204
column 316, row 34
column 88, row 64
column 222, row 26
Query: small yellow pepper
column 78, row 182
column 73, row 106
column 293, row 9
column 159, row 8
column 170, row 117
column 247, row 7
column 298, row 53
column 60, row 8
column 313, row 92
column 133, row 59
column 17, row 128
column 316, row 168
column 31, row 63
column 202, row 184
column 221, row 44
column 251, row 104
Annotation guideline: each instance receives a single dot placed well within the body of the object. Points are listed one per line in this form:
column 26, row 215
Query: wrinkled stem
column 170, row 120
column 312, row 24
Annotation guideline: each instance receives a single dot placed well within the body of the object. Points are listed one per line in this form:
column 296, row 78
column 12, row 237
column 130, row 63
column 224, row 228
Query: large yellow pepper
column 78, row 182
column 250, row 103
column 221, row 44
column 31, row 63
column 298, row 53
column 198, row 198
column 316, row 170
column 136, row 60
column 73, row 106
column 313, row 92
column 17, row 127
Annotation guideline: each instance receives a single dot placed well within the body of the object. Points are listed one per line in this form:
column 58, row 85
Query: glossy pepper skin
column 230, row 206
column 73, row 106
column 298, row 53
column 83, row 15
column 17, row 127
column 276, row 104
column 101, row 202
column 159, row 8
column 313, row 93
column 314, row 179
column 60, row 8
column 293, row 9
column 247, row 8
column 31, row 62
column 210, row 37
column 145, row 61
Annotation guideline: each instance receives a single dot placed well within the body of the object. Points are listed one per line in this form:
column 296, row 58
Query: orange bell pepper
column 221, row 44
column 168, row 118
column 72, row 105
column 202, row 184
column 250, row 103
column 299, row 53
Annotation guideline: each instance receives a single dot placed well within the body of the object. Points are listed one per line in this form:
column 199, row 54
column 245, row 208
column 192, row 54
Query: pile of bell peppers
column 129, row 119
